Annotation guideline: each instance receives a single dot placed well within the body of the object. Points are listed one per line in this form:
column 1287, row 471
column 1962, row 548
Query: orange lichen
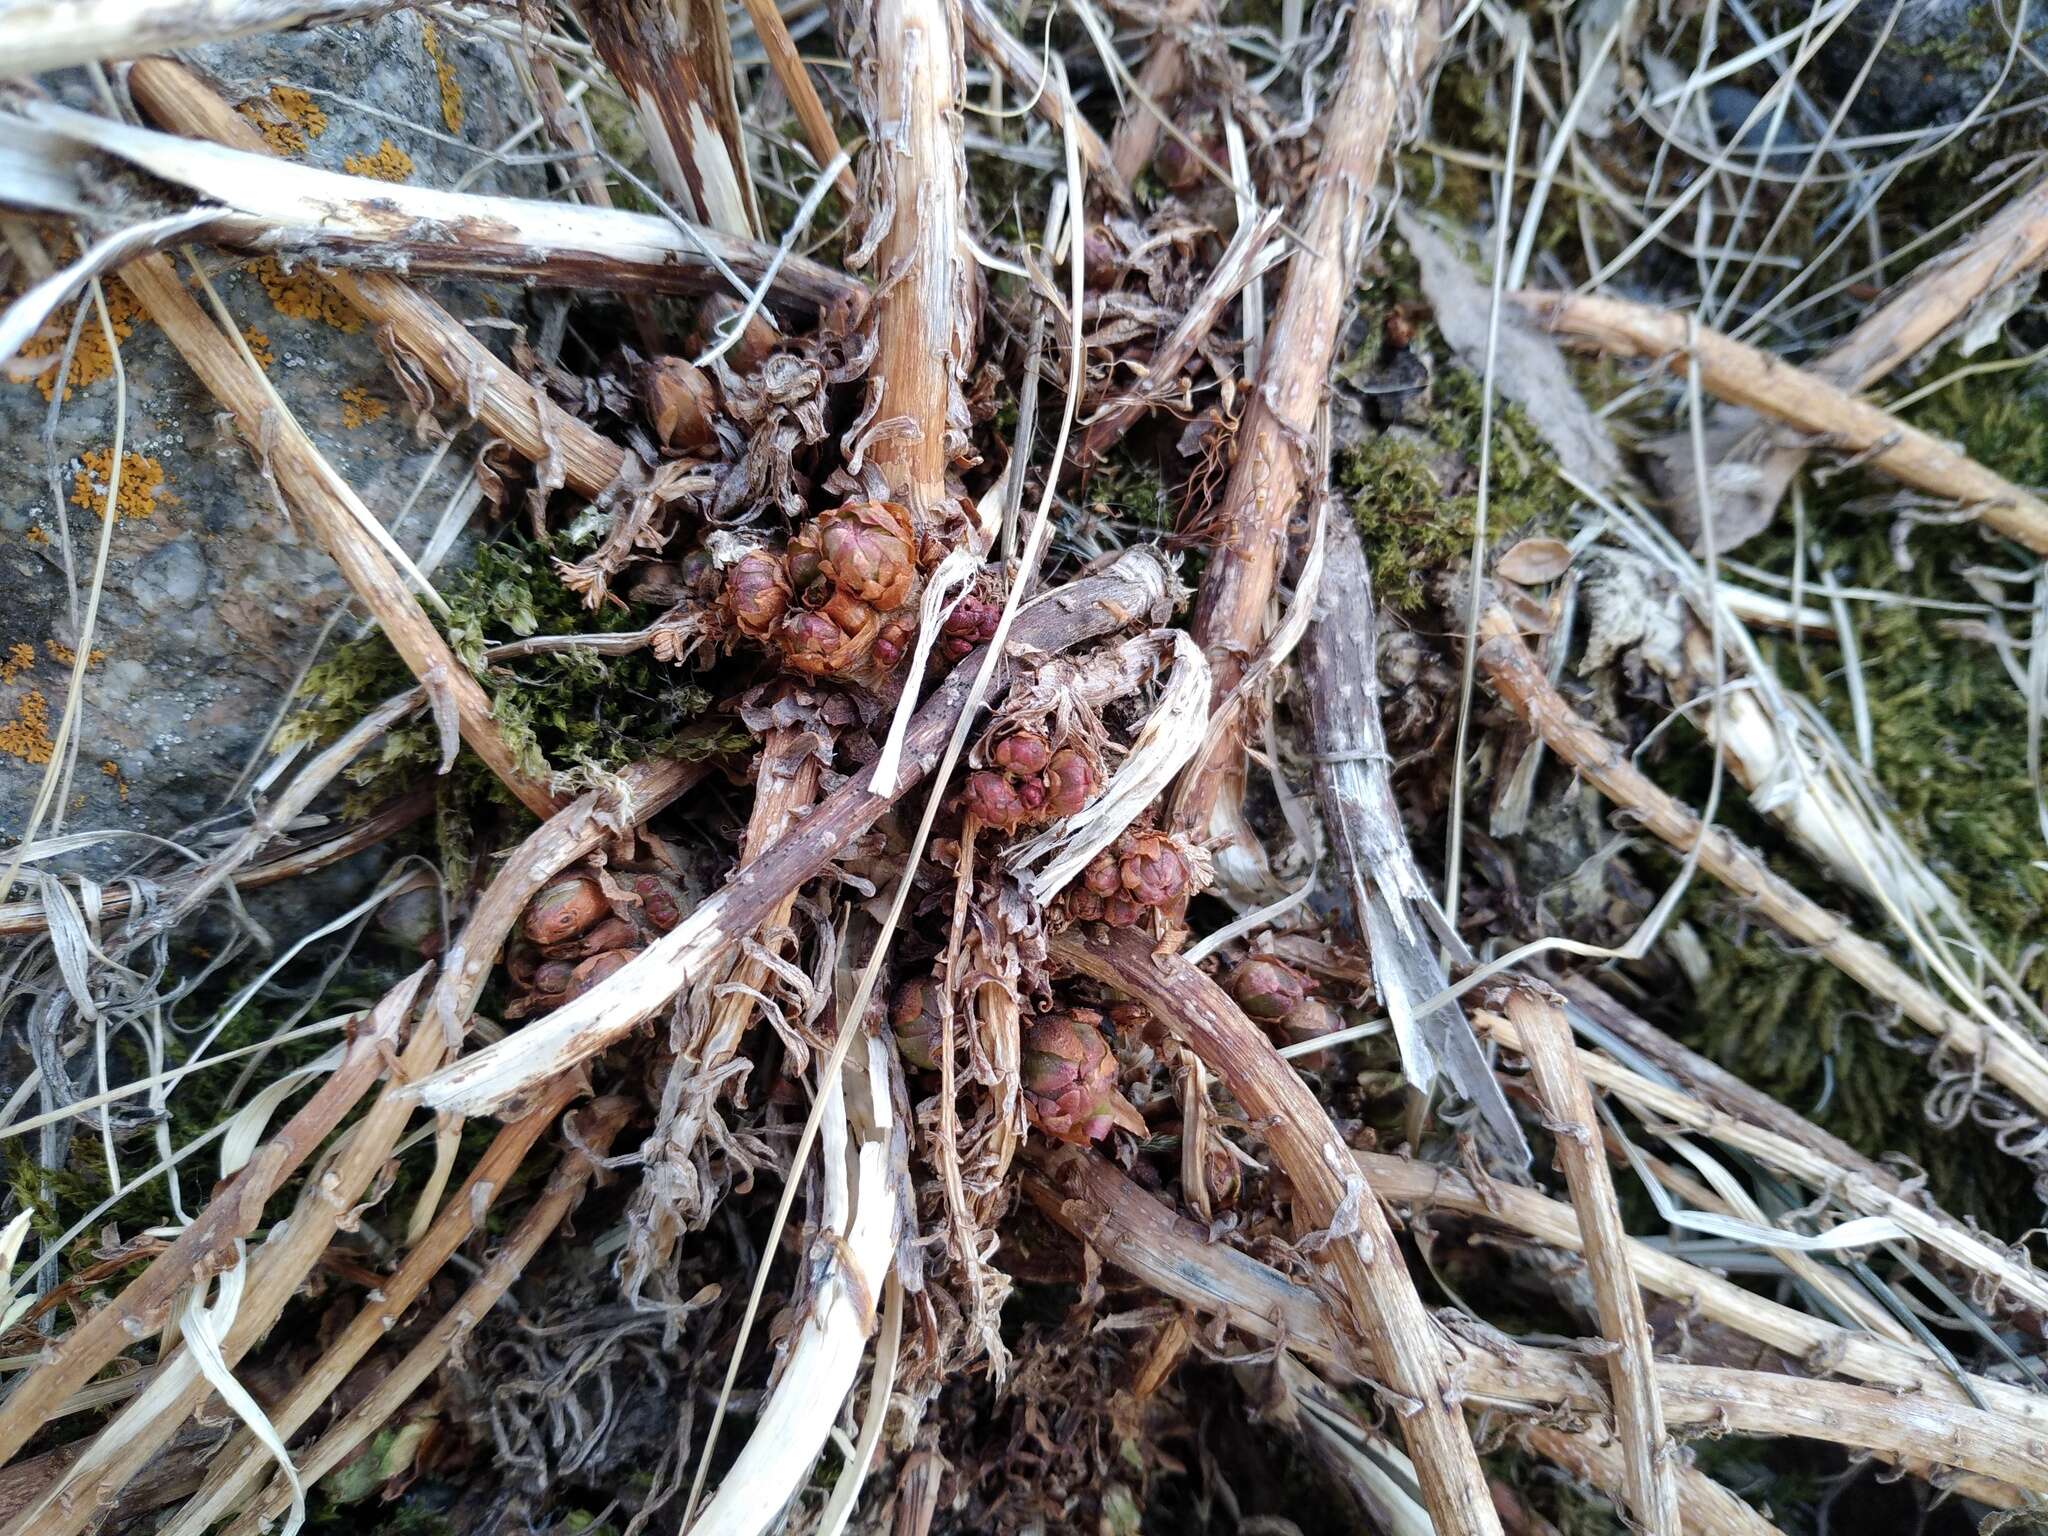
column 27, row 735
column 389, row 163
column 19, row 658
column 35, row 535
column 444, row 71
column 142, row 482
column 286, row 118
column 302, row 295
column 359, row 407
column 258, row 345
column 91, row 362
column 112, row 770
column 63, row 655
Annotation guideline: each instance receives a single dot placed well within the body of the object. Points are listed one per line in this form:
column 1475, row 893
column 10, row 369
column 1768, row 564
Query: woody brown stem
column 811, row 115
column 1135, row 138
column 1265, row 480
column 1332, row 1199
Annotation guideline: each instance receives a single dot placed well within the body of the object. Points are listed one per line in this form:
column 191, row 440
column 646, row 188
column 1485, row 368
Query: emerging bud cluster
column 1279, row 998
column 581, row 927
column 1143, row 874
column 1028, row 782
column 1070, row 1078
column 829, row 602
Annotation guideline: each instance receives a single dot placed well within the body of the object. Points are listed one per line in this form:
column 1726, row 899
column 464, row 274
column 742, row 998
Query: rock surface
column 213, row 601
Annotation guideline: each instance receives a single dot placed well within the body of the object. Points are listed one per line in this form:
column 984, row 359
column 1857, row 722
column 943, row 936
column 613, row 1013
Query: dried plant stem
column 924, row 334
column 795, row 80
column 1652, row 1492
column 513, row 409
column 1989, row 1260
column 1135, row 1231
column 1745, row 376
column 1330, row 1196
column 1093, row 606
column 2002, row 1053
column 324, row 503
column 1272, row 439
column 590, row 1135
column 242, row 1462
column 1045, row 89
column 1135, row 138
column 178, row 1388
column 1710, row 1509
column 55, row 34
column 1938, row 295
column 207, row 1245
column 673, row 58
column 1823, row 1347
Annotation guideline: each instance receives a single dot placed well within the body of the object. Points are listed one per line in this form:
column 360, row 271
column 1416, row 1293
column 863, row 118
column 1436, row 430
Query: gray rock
column 213, row 601
column 1939, row 60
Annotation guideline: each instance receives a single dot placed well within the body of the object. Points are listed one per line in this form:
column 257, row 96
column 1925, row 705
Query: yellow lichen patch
column 444, row 71
column 142, row 481
column 286, row 118
column 91, row 362
column 19, row 658
column 258, row 345
column 112, row 770
column 64, row 656
column 27, row 735
column 301, row 295
column 359, row 407
column 35, row 535
column 389, row 163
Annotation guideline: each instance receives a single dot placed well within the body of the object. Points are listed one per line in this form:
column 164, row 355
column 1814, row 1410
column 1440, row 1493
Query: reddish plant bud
column 971, row 623
column 1101, row 875
column 914, row 1020
column 659, row 585
column 1176, row 165
column 1024, row 753
column 1224, row 1177
column 1151, row 870
column 1311, row 1020
column 1101, row 260
column 1070, row 782
column 521, row 961
column 1122, row 911
column 564, row 909
column 1267, row 990
column 757, row 593
column 590, row 972
column 892, row 644
column 813, row 644
column 1069, row 1075
column 551, row 977
column 866, row 549
column 614, row 932
column 697, row 573
column 757, row 340
column 661, row 900
column 994, row 801
column 681, row 404
column 806, row 569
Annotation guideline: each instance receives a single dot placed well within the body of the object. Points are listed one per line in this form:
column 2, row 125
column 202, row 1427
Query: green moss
column 1416, row 497
column 563, row 710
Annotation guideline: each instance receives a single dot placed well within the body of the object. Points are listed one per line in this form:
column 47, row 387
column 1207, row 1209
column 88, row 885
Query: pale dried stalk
column 590, row 1136
column 242, row 1462
column 789, row 69
column 177, row 1389
column 825, row 1353
column 1045, row 90
column 1329, row 1194
column 2004, row 1054
column 1647, row 1456
column 1248, row 256
column 1095, row 605
column 36, row 35
column 1710, row 1509
column 326, row 505
column 1823, row 1347
column 1745, row 376
column 1265, row 480
column 207, row 1245
column 1939, row 295
column 785, row 786
column 1140, row 1235
column 673, row 58
column 924, row 334
column 534, row 426
column 1977, row 1255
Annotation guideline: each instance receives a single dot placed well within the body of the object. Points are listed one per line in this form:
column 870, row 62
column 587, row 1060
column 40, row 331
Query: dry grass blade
column 1381, row 1300
column 242, row 1462
column 2006, row 1056
column 326, row 505
column 1743, row 375
column 1044, row 89
column 1272, row 440
column 1651, row 1490
column 1093, row 606
column 590, row 1136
